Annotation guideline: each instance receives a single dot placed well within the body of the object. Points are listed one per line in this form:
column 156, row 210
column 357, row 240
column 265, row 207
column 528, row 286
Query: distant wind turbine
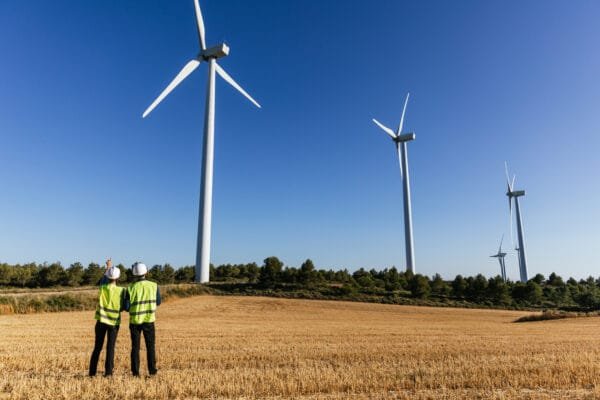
column 500, row 256
column 400, row 143
column 210, row 56
column 515, row 194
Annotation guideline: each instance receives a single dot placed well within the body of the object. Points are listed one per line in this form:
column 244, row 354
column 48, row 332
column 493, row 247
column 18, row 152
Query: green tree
column 391, row 278
column 459, row 286
column 403, row 278
column 530, row 293
column 498, row 291
column 212, row 272
column 555, row 280
column 539, row 279
column 185, row 274
column 74, row 274
column 6, row 274
column 289, row 275
column 227, row 272
column 477, row 289
column 588, row 298
column 162, row 273
column 154, row 273
column 25, row 275
column 51, row 275
column 419, row 286
column 439, row 286
column 307, row 275
column 343, row 276
column 168, row 274
column 270, row 271
column 93, row 273
column 363, row 278
column 252, row 272
column 558, row 295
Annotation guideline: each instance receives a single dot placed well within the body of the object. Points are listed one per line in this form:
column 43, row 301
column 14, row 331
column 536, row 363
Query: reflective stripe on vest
column 108, row 310
column 142, row 302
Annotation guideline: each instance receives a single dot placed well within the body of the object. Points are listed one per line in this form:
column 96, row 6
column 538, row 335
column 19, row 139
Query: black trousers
column 111, row 333
column 149, row 337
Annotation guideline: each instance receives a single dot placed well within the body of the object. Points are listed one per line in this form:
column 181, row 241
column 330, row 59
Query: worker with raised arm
column 141, row 300
column 111, row 300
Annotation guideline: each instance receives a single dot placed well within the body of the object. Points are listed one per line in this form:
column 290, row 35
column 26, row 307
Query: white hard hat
column 113, row 273
column 139, row 269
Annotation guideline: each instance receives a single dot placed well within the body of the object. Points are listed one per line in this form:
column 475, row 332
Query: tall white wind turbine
column 500, row 255
column 400, row 141
column 209, row 55
column 515, row 194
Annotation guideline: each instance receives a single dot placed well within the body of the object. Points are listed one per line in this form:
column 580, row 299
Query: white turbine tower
column 500, row 256
column 400, row 142
column 209, row 55
column 512, row 193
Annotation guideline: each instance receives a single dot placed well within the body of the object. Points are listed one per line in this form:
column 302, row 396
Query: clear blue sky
column 83, row 177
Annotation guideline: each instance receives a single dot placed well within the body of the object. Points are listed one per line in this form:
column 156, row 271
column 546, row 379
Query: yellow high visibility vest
column 108, row 310
column 142, row 302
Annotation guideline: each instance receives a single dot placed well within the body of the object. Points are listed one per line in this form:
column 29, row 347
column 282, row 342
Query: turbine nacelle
column 407, row 137
column 218, row 51
column 515, row 193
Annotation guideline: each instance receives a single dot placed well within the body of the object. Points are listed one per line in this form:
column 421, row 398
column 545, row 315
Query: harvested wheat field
column 259, row 348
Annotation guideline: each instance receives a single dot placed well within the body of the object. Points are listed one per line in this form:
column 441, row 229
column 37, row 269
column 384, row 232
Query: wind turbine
column 400, row 141
column 209, row 55
column 500, row 256
column 515, row 194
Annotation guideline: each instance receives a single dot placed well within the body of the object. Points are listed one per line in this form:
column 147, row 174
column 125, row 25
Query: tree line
column 551, row 292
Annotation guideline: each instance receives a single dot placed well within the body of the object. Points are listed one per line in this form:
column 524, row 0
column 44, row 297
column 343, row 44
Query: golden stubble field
column 259, row 348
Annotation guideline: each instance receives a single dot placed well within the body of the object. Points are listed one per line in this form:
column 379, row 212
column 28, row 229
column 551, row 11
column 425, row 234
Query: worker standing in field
column 111, row 300
column 141, row 300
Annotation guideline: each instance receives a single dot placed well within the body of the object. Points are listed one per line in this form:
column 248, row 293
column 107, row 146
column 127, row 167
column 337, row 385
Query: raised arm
column 104, row 279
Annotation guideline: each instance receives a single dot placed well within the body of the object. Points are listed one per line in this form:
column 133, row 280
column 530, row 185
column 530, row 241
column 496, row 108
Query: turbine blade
column 500, row 248
column 508, row 194
column 402, row 117
column 185, row 71
column 233, row 83
column 385, row 129
column 200, row 25
column 512, row 185
column 507, row 177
